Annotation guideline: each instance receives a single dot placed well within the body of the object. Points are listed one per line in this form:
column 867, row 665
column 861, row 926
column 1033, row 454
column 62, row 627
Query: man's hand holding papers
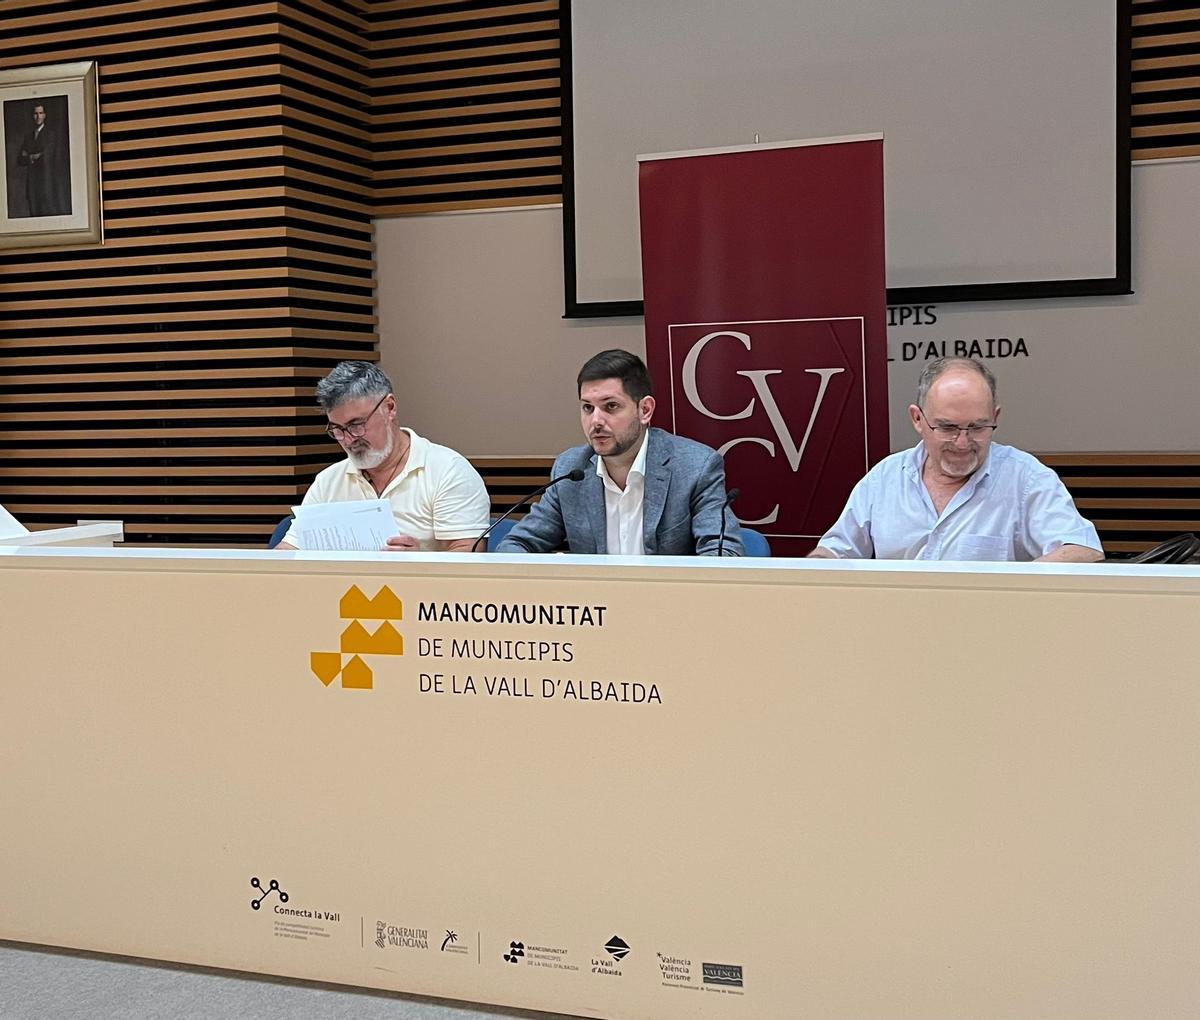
column 355, row 526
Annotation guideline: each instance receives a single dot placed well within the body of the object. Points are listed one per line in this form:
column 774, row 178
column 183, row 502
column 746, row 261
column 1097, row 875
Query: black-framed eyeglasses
column 355, row 429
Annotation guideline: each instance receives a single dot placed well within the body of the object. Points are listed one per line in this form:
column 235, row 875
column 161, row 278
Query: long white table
column 761, row 788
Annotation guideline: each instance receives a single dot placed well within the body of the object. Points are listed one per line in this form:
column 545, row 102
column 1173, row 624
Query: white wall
column 471, row 332
column 1114, row 374
column 472, row 335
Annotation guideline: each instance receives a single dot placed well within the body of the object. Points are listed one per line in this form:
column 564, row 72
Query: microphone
column 570, row 476
column 733, row 494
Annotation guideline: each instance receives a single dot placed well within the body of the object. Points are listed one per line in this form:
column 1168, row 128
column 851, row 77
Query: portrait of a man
column 37, row 157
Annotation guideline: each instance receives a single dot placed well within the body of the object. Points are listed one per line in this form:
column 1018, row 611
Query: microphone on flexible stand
column 570, row 476
column 733, row 494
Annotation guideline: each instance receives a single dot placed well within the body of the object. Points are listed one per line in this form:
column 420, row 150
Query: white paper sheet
column 361, row 526
column 10, row 527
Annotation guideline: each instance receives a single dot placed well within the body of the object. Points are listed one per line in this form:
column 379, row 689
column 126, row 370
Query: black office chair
column 1179, row 549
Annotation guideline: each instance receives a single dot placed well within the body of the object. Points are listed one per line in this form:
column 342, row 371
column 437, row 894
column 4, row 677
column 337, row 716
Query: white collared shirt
column 438, row 496
column 623, row 507
column 1012, row 508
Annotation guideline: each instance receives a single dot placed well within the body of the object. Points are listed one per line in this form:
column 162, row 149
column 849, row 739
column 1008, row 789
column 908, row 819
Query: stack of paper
column 361, row 525
column 10, row 527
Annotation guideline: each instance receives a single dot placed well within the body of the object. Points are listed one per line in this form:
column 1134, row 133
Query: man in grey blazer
column 643, row 491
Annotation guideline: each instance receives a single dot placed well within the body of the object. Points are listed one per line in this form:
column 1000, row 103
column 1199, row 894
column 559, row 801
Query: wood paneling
column 510, row 479
column 1136, row 500
column 167, row 377
column 1166, row 79
column 465, row 103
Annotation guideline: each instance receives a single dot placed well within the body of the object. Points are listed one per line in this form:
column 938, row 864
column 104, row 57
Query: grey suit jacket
column 685, row 491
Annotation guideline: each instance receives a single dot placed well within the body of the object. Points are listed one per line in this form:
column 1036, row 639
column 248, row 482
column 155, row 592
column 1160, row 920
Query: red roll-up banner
column 763, row 277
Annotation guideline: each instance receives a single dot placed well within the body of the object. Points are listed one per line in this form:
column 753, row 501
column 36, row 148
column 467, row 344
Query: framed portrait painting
column 50, row 141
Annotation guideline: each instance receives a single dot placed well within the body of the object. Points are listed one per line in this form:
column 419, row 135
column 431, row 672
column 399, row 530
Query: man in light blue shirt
column 956, row 495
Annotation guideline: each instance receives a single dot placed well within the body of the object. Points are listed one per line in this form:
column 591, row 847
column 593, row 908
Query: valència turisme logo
column 675, row 971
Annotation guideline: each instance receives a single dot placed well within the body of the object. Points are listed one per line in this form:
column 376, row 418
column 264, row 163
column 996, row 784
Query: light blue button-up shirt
column 1012, row 508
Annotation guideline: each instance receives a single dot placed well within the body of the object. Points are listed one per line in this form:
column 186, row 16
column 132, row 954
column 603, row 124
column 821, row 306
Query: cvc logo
column 759, row 379
column 785, row 402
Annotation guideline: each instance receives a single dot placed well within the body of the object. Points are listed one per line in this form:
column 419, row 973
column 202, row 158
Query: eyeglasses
column 950, row 433
column 354, row 429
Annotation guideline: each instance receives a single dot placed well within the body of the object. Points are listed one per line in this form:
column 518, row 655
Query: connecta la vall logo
column 357, row 641
column 271, row 887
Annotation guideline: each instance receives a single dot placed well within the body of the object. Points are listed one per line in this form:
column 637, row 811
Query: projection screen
column 1006, row 129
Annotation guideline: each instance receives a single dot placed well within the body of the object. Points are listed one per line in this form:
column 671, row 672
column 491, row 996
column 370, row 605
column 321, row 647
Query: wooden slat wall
column 1136, row 500
column 167, row 377
column 1166, row 79
column 465, row 104
column 510, row 479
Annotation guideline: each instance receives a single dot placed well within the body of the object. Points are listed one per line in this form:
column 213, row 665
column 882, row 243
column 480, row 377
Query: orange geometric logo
column 356, row 641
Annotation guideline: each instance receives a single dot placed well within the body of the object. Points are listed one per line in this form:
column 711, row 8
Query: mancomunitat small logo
column 357, row 641
column 272, row 887
column 516, row 951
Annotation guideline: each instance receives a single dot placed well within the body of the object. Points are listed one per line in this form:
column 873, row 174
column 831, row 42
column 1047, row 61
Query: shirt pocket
column 995, row 548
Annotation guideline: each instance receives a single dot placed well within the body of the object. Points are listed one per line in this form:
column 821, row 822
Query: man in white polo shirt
column 438, row 499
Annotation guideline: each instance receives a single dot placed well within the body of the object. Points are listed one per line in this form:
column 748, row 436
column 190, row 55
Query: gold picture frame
column 50, row 146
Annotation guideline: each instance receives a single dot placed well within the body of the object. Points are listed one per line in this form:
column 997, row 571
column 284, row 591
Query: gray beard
column 369, row 460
